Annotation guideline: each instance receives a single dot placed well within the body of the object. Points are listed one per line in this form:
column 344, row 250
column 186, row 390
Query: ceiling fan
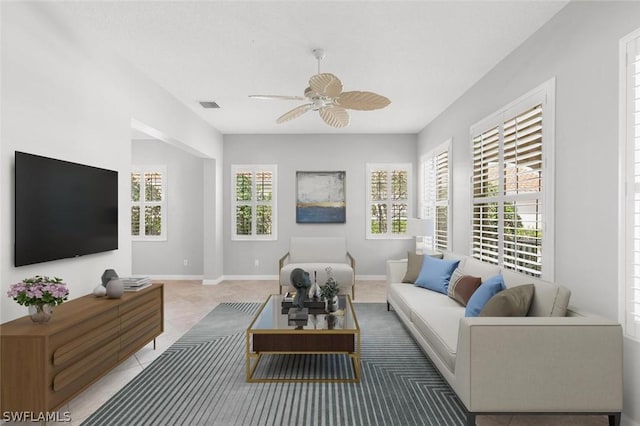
column 325, row 95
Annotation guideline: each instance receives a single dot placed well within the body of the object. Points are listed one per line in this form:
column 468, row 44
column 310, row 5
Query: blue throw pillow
column 435, row 273
column 481, row 296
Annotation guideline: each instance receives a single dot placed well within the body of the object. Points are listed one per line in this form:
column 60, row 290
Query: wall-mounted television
column 63, row 209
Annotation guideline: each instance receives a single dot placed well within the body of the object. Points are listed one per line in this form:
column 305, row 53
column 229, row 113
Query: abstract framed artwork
column 320, row 197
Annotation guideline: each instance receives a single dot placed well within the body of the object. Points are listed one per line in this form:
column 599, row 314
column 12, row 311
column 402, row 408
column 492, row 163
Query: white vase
column 332, row 304
column 100, row 291
column 115, row 288
column 314, row 291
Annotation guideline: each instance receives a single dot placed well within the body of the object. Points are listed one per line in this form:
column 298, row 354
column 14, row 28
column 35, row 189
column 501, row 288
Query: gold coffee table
column 323, row 333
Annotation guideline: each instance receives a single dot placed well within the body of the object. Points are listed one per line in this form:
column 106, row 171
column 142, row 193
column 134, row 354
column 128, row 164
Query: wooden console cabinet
column 45, row 365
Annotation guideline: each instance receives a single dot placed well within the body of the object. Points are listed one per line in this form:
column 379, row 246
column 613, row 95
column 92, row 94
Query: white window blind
column 253, row 193
column 435, row 193
column 148, row 203
column 388, row 200
column 631, row 186
column 510, row 203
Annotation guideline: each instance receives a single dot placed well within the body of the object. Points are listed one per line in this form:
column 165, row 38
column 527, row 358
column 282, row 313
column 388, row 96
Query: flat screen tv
column 63, row 209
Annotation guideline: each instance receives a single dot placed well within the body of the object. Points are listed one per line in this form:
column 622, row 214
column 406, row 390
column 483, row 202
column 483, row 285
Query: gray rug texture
column 200, row 380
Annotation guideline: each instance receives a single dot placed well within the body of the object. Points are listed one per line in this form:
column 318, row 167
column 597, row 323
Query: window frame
column 627, row 189
column 370, row 167
column 544, row 94
column 142, row 169
column 424, row 203
column 253, row 169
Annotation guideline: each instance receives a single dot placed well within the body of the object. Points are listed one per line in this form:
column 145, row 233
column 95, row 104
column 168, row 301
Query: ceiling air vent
column 209, row 104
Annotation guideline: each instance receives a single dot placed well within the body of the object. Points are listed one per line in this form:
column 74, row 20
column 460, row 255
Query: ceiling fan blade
column 326, row 84
column 335, row 116
column 294, row 113
column 363, row 101
column 286, row 98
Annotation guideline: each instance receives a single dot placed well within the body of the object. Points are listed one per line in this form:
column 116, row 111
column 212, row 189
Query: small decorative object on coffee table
column 300, row 281
column 40, row 295
column 329, row 291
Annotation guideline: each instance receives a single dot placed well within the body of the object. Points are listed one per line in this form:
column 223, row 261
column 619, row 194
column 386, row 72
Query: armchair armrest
column 539, row 364
column 280, row 266
column 281, row 261
column 352, row 262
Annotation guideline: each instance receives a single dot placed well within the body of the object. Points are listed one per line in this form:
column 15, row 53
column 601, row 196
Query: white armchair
column 315, row 254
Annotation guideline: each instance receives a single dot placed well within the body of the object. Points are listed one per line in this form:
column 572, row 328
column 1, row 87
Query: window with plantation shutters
column 253, row 194
column 435, row 193
column 511, row 186
column 148, row 203
column 630, row 184
column 388, row 200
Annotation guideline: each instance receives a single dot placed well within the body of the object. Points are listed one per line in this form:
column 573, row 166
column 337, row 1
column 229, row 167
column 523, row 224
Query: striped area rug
column 200, row 380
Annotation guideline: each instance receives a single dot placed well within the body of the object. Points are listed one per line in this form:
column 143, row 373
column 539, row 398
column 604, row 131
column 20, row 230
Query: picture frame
column 321, row 197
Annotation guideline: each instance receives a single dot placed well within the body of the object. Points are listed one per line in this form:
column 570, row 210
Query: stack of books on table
column 135, row 283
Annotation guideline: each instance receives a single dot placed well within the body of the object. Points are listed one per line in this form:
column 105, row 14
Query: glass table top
column 274, row 315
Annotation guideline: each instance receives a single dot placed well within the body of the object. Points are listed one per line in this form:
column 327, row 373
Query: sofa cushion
column 549, row 299
column 435, row 274
column 476, row 268
column 414, row 265
column 462, row 286
column 482, row 295
column 434, row 314
column 512, row 302
column 317, row 249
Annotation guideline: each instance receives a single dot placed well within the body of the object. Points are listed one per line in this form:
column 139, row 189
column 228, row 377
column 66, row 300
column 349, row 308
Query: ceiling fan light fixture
column 325, row 95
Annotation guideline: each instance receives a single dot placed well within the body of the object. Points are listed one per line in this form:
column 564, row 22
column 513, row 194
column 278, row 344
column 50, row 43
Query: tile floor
column 186, row 302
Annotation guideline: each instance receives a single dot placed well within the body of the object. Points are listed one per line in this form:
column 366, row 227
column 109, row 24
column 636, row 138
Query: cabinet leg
column 154, row 344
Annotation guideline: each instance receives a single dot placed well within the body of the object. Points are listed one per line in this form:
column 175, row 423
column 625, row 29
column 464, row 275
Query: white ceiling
column 422, row 55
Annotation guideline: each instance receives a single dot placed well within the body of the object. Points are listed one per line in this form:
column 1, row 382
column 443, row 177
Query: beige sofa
column 555, row 360
column 315, row 255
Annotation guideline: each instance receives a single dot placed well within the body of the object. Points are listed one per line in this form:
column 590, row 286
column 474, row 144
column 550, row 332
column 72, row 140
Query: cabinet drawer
column 140, row 334
column 82, row 327
column 85, row 344
column 151, row 297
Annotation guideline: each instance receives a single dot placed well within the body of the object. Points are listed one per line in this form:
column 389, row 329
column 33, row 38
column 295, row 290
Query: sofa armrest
column 396, row 269
column 539, row 364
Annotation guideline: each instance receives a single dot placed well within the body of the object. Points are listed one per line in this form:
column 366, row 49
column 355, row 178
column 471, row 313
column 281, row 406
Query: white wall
column 579, row 46
column 314, row 152
column 184, row 214
column 66, row 99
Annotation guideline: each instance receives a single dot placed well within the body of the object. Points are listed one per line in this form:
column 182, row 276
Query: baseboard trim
column 213, row 282
column 217, row 281
column 175, row 277
column 250, row 278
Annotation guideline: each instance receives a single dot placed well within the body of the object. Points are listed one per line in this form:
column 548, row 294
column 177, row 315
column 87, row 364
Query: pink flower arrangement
column 39, row 291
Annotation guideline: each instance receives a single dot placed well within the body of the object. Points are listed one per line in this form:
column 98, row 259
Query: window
column 435, row 180
column 388, row 200
column 148, row 203
column 511, row 185
column 254, row 202
column 630, row 184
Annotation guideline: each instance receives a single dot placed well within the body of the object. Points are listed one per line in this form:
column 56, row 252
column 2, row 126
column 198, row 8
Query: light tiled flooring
column 187, row 302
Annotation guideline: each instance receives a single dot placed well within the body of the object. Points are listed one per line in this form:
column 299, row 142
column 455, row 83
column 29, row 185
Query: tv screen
column 63, row 209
